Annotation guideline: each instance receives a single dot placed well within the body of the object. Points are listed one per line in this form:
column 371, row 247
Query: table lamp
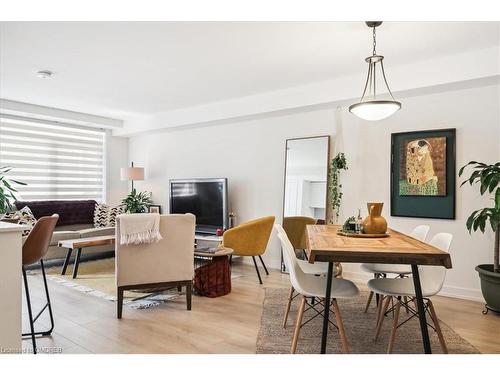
column 132, row 174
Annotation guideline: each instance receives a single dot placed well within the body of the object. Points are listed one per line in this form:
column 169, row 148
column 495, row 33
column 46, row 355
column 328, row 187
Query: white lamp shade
column 132, row 174
column 375, row 110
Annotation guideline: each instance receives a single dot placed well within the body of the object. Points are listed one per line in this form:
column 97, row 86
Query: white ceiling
column 123, row 69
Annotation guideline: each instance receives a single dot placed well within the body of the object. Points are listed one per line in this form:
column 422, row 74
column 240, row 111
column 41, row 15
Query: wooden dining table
column 325, row 244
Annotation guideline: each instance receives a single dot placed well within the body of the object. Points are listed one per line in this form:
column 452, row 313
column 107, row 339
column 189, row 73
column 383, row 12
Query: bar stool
column 34, row 249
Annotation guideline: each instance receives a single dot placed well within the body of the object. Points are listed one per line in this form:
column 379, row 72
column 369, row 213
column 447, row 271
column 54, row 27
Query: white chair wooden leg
column 288, row 304
column 435, row 319
column 340, row 324
column 394, row 327
column 298, row 323
column 382, row 315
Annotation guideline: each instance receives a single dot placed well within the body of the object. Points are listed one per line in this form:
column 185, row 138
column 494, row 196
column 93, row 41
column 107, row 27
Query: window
column 57, row 161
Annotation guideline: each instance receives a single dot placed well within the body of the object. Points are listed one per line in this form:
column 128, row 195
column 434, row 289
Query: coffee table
column 79, row 244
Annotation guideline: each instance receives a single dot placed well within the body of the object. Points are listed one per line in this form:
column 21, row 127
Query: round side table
column 212, row 274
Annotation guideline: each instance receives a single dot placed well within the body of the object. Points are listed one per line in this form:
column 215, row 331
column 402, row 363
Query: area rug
column 360, row 329
column 97, row 278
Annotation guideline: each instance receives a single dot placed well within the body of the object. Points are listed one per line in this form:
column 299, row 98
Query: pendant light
column 369, row 107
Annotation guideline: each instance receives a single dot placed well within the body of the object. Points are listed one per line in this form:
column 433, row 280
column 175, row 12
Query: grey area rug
column 360, row 329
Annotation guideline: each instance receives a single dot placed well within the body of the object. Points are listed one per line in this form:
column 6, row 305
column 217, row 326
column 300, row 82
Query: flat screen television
column 206, row 198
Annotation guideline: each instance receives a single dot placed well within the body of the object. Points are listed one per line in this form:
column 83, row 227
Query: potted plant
column 337, row 164
column 7, row 191
column 488, row 177
column 137, row 202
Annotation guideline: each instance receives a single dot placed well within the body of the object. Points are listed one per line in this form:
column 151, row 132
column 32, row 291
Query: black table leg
column 421, row 309
column 66, row 262
column 326, row 311
column 77, row 261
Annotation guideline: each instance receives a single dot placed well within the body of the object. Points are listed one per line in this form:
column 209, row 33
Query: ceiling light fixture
column 44, row 74
column 369, row 107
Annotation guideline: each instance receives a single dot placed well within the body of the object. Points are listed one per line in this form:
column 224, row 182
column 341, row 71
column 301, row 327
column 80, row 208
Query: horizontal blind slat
column 49, row 130
column 48, row 143
column 53, row 137
column 12, row 149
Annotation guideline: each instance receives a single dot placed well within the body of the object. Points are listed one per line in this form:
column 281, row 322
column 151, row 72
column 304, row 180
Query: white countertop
column 9, row 227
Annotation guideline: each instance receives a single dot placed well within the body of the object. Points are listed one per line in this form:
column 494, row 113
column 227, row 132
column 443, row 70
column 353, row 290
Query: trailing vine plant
column 337, row 164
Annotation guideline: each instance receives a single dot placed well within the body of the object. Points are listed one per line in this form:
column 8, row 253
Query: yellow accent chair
column 250, row 239
column 295, row 229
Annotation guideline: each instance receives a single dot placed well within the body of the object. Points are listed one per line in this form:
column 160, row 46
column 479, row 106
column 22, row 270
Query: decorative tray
column 362, row 235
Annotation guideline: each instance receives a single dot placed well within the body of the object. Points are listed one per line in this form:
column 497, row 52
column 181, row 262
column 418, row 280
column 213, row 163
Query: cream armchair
column 165, row 264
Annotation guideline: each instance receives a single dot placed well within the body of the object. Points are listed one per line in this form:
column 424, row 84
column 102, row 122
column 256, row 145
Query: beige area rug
column 97, row 278
column 360, row 328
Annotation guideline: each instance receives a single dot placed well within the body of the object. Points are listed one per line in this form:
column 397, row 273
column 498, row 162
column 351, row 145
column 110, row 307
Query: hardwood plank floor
column 229, row 324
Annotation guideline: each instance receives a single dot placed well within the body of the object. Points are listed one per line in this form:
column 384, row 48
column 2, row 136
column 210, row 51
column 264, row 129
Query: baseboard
column 447, row 291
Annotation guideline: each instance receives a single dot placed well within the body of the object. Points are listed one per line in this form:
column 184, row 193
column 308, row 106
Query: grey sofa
column 76, row 220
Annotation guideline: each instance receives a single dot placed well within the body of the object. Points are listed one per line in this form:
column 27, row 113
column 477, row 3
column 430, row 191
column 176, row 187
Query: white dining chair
column 393, row 290
column 311, row 286
column 400, row 270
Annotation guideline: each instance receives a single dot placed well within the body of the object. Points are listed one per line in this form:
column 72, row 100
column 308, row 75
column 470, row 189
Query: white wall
column 475, row 114
column 251, row 155
column 116, row 158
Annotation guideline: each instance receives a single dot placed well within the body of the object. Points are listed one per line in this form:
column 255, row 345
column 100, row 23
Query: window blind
column 57, row 161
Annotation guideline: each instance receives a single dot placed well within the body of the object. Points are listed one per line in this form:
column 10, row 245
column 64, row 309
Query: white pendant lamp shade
column 370, row 107
column 375, row 110
column 132, row 174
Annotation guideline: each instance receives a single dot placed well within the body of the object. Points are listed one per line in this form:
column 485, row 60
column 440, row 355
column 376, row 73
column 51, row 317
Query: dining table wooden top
column 325, row 244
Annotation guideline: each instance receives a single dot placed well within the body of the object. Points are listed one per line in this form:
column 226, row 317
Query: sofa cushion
column 70, row 211
column 95, row 232
column 23, row 216
column 63, row 235
column 105, row 216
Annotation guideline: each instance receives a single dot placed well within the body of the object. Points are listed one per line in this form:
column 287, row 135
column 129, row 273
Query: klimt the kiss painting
column 423, row 167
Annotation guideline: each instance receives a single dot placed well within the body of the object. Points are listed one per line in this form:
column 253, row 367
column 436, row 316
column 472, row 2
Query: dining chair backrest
column 432, row 277
column 37, row 243
column 297, row 276
column 420, row 232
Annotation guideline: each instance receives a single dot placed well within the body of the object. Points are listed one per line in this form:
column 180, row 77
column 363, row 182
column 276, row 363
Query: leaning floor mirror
column 305, row 187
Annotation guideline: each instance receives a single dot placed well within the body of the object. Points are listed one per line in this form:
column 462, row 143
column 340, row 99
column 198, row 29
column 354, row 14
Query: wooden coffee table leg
column 77, row 261
column 66, row 262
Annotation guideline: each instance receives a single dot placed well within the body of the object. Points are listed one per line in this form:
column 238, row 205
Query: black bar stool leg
column 263, row 265
column 30, row 314
column 257, row 269
column 49, row 305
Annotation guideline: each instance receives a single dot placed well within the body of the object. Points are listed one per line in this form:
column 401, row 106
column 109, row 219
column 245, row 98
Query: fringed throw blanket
column 136, row 229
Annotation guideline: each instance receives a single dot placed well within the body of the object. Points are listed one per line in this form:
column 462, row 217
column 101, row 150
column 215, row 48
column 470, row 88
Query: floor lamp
column 132, row 174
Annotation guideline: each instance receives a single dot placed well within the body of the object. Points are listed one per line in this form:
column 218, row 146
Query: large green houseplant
column 488, row 178
column 7, row 190
column 137, row 202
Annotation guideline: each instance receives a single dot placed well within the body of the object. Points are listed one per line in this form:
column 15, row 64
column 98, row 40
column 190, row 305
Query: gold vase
column 375, row 222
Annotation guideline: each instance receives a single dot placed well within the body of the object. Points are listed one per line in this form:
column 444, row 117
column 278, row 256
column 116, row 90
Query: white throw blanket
column 136, row 229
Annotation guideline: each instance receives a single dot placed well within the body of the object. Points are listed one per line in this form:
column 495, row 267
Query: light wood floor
column 229, row 324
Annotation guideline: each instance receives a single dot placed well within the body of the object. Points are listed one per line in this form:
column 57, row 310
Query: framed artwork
column 423, row 174
column 156, row 209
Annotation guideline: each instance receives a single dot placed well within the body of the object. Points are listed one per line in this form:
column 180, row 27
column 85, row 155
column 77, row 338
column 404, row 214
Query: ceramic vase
column 375, row 222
